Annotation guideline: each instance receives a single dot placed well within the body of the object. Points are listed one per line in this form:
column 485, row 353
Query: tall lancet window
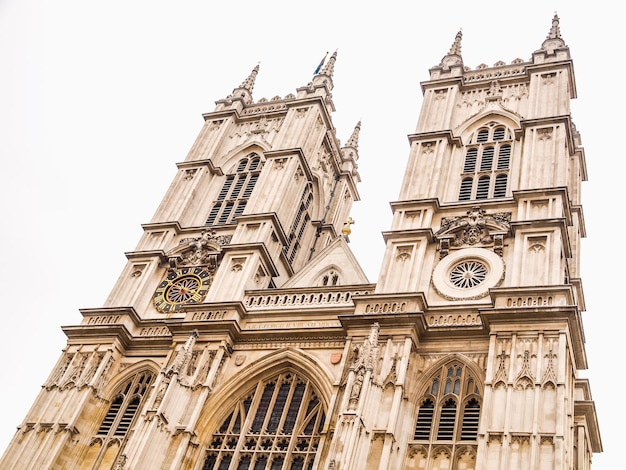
column 299, row 225
column 121, row 417
column 486, row 167
column 125, row 406
column 449, row 411
column 236, row 191
column 276, row 425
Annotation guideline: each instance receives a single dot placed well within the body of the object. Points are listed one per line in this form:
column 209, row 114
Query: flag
column 321, row 64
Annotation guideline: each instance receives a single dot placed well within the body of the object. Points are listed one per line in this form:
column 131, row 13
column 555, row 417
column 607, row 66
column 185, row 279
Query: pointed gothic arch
column 330, row 276
column 229, row 161
column 272, row 411
column 448, row 399
column 501, row 116
column 127, row 395
column 488, row 142
column 239, row 182
column 116, row 381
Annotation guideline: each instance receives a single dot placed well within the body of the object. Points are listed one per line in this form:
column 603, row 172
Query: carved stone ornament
column 204, row 250
column 474, row 228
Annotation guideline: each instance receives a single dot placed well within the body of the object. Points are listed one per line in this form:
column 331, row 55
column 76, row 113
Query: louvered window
column 482, row 136
column 498, row 133
column 499, row 189
column 424, row 420
column 471, row 414
column 470, row 160
column 465, row 194
column 235, row 192
column 489, row 153
column 299, row 225
column 125, row 405
column 284, row 418
column 449, row 410
column 486, row 160
column 482, row 191
column 504, row 157
column 445, row 432
column 111, row 415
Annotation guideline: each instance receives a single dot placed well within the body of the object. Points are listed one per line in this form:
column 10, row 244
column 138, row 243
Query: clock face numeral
column 185, row 286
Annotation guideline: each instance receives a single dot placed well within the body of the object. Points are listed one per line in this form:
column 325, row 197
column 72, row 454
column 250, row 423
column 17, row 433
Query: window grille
column 235, row 192
column 277, row 425
column 486, row 162
column 482, row 190
column 491, row 142
column 465, row 194
column 499, row 189
column 449, row 409
column 470, row 160
column 125, row 405
column 299, row 225
column 504, row 157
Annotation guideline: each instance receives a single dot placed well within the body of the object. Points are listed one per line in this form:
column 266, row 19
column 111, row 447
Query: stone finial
column 353, row 141
column 455, row 49
column 248, row 83
column 243, row 93
column 184, row 354
column 553, row 39
column 329, row 68
column 555, row 31
column 453, row 57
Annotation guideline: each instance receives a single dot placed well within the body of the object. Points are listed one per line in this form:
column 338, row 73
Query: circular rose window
column 468, row 274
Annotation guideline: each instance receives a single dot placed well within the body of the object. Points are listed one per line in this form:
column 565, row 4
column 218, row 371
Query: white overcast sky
column 99, row 100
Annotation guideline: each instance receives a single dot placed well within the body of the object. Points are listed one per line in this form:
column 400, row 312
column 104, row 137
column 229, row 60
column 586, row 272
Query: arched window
column 491, row 142
column 124, row 406
column 498, row 133
column 482, row 191
column 499, row 189
column 424, row 420
column 504, row 157
column 486, row 161
column 470, row 160
column 482, row 136
column 299, row 225
column 276, row 425
column 235, row 192
column 449, row 409
column 331, row 278
column 471, row 414
column 465, row 194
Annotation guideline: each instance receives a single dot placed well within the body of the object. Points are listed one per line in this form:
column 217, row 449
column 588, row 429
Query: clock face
column 183, row 287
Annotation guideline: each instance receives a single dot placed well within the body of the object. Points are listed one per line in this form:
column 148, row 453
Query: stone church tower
column 243, row 334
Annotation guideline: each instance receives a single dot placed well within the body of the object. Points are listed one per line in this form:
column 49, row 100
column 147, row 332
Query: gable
column 334, row 265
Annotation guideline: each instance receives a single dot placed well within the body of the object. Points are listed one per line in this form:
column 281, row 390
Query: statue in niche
column 357, row 386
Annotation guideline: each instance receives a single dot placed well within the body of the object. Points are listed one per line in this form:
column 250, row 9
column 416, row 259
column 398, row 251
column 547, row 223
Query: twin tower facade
column 243, row 334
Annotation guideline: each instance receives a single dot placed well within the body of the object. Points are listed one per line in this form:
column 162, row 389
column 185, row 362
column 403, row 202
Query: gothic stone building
column 243, row 334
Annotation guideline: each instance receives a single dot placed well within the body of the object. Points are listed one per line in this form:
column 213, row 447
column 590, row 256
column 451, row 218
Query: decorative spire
column 555, row 31
column 455, row 49
column 248, row 83
column 330, row 65
column 553, row 39
column 453, row 57
column 353, row 141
